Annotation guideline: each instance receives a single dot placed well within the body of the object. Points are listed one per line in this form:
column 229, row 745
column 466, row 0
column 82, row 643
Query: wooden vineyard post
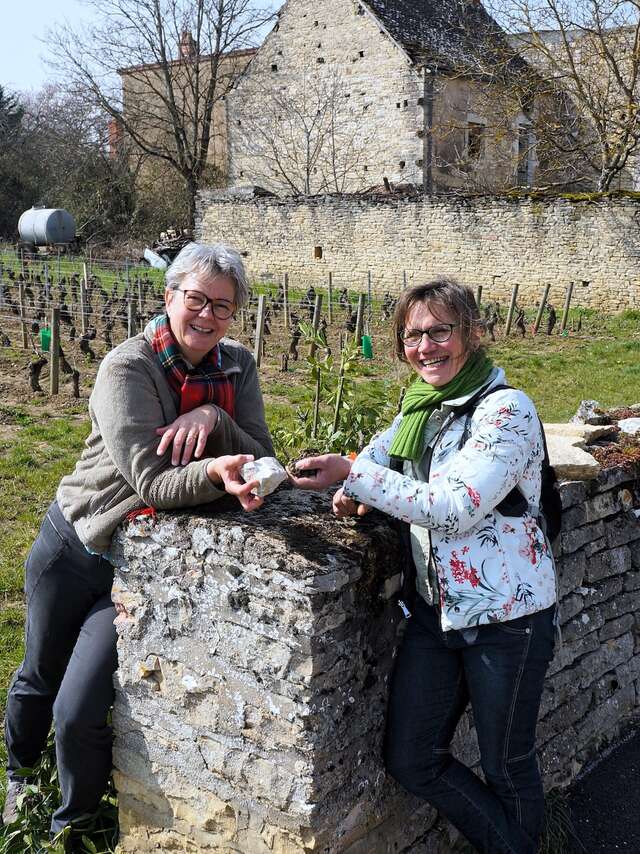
column 315, row 323
column 404, row 280
column 565, row 311
column 316, row 404
column 58, row 267
column 126, row 276
column 83, row 300
column 479, row 296
column 336, row 414
column 140, row 302
column 330, row 298
column 243, row 319
column 512, row 306
column 541, row 308
column 257, row 345
column 285, row 300
column 131, row 319
column 54, row 351
column 23, row 325
column 369, row 299
column 359, row 319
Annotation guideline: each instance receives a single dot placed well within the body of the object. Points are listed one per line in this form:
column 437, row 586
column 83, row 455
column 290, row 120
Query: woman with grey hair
column 175, row 412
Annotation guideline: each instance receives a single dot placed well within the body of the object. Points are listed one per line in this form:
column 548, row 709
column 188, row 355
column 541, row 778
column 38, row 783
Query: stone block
column 614, row 477
column 601, row 591
column 624, row 604
column 623, row 529
column 572, row 492
column 569, row 461
column 588, row 621
column 573, row 540
column 616, row 627
column 571, row 605
column 602, row 504
column 571, row 569
column 606, row 563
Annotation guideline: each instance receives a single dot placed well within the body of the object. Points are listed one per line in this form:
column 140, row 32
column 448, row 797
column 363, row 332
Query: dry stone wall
column 255, row 653
column 490, row 241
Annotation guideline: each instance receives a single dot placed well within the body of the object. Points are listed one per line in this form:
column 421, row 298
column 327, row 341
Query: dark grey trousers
column 67, row 672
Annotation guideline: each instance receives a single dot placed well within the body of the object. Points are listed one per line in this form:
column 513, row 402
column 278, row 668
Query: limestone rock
column 568, row 459
column 630, row 426
column 585, row 434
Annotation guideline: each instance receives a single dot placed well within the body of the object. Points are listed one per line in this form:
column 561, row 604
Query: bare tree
column 586, row 54
column 303, row 139
column 177, row 60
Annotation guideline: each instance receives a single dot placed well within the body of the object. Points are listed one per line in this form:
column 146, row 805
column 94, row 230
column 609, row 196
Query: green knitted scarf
column 422, row 398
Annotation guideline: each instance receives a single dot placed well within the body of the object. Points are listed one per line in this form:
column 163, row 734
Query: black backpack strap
column 407, row 594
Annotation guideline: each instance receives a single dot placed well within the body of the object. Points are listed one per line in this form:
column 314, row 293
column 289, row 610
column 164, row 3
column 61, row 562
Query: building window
column 361, row 54
column 320, row 60
column 317, row 252
column 525, row 153
column 474, row 142
column 274, row 67
column 402, row 164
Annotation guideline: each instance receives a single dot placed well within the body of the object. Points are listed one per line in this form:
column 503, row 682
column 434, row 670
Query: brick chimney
column 114, row 132
column 187, row 48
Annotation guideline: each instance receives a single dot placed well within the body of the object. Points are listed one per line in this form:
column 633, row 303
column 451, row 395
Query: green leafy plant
column 339, row 419
column 29, row 833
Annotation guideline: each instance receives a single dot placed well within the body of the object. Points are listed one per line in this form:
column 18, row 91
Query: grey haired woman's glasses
column 196, row 301
column 439, row 333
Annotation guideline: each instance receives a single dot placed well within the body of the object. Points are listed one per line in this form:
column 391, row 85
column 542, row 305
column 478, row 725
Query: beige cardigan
column 119, row 470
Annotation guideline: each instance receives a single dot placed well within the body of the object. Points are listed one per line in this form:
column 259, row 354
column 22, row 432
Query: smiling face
column 437, row 364
column 196, row 332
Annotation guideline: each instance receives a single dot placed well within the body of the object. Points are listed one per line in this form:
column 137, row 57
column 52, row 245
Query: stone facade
column 335, row 101
column 493, row 241
column 255, row 653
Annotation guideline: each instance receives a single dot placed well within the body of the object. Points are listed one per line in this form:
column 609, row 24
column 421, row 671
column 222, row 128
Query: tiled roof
column 453, row 34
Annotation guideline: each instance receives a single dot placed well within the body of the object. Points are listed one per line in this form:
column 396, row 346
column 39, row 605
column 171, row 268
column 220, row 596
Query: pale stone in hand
column 266, row 470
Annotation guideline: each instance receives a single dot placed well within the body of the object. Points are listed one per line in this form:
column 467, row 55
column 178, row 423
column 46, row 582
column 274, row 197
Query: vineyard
column 60, row 315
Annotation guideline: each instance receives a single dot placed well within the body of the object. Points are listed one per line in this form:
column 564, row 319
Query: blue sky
column 23, row 23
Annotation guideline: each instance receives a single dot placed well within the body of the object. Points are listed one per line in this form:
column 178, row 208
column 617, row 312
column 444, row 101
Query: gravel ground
column 605, row 803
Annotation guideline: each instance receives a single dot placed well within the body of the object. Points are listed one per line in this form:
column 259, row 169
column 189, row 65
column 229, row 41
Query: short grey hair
column 209, row 261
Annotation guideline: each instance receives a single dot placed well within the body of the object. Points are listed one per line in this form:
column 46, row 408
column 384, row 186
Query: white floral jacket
column 490, row 568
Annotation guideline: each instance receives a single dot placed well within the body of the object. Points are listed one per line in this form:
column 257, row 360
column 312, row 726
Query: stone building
column 344, row 94
column 148, row 106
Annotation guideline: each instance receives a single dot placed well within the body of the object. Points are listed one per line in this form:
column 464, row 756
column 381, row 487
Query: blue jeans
column 500, row 668
column 67, row 672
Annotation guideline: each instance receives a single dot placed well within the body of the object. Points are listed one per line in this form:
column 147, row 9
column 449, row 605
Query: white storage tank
column 44, row 226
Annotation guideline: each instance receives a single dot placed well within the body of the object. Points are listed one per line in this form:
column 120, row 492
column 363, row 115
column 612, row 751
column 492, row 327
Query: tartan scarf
column 205, row 383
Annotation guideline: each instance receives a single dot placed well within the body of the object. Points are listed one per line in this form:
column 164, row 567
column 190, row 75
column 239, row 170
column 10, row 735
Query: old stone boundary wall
column 489, row 241
column 255, row 653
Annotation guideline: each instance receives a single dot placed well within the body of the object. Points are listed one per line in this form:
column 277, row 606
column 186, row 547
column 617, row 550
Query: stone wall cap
column 582, row 434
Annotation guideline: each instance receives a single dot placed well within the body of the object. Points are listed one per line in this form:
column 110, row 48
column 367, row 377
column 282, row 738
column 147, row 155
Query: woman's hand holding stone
column 226, row 471
column 188, row 433
column 326, row 469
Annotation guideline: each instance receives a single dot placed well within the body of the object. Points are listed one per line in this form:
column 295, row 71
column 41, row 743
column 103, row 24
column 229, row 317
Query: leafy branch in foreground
column 29, row 833
column 340, row 419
